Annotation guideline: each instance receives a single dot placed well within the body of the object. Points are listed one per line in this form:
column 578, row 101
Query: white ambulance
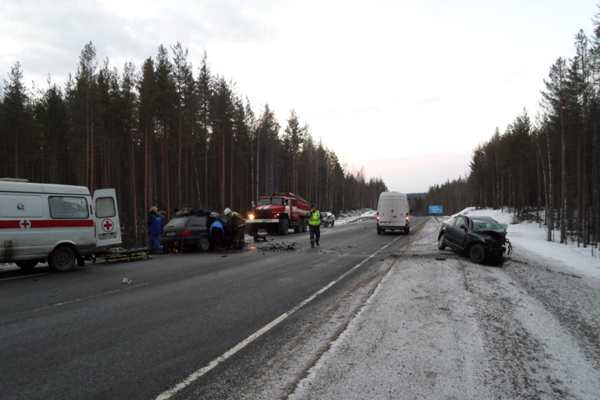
column 57, row 224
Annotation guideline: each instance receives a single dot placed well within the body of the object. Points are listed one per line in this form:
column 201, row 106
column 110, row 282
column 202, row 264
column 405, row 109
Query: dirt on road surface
column 433, row 325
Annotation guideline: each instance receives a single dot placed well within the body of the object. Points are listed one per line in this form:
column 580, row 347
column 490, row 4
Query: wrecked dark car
column 189, row 230
column 482, row 238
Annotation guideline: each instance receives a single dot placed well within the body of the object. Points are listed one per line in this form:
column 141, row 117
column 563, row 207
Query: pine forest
column 547, row 169
column 171, row 135
column 167, row 135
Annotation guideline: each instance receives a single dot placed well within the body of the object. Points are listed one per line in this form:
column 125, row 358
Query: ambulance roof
column 49, row 188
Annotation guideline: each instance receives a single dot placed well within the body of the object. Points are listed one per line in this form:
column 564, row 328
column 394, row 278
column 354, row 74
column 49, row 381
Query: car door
column 456, row 232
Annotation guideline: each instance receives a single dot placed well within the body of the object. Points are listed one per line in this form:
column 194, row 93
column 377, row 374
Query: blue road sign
column 436, row 209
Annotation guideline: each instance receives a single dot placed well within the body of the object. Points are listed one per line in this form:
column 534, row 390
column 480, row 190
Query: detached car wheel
column 441, row 242
column 477, row 253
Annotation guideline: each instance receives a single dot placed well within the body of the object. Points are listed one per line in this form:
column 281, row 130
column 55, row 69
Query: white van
column 58, row 224
column 393, row 212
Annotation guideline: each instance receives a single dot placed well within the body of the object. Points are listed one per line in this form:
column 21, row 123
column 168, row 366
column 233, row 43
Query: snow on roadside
column 532, row 236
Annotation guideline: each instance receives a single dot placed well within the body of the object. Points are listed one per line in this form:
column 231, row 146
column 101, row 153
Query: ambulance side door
column 106, row 216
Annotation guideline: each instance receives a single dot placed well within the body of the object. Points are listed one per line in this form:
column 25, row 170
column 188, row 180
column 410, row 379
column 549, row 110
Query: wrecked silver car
column 483, row 239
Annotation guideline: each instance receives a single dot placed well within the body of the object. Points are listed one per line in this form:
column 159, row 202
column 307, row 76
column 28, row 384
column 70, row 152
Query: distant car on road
column 327, row 219
column 482, row 238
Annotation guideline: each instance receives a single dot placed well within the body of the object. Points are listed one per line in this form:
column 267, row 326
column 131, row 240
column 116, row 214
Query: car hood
column 497, row 235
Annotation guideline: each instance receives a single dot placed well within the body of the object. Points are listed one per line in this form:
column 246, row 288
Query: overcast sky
column 403, row 89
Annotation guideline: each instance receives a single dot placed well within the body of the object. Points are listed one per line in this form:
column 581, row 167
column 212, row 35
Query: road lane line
column 24, row 276
column 231, row 352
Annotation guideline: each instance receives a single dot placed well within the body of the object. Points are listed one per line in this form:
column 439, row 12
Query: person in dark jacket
column 155, row 228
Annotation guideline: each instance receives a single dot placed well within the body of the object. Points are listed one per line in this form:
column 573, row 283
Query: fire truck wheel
column 62, row 259
column 284, row 225
column 304, row 225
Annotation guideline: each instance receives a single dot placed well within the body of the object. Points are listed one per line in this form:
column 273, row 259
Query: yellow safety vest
column 315, row 218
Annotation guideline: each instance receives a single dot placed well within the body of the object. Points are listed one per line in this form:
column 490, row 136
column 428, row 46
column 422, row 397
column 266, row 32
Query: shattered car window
column 488, row 226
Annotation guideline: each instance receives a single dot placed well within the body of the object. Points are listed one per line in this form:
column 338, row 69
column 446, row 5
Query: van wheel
column 26, row 264
column 203, row 243
column 62, row 259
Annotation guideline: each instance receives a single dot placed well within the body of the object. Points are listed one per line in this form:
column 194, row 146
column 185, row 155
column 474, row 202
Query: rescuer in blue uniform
column 314, row 225
column 155, row 228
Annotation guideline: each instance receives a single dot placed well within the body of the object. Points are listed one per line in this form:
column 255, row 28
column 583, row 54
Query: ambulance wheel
column 62, row 259
column 203, row 243
column 26, row 264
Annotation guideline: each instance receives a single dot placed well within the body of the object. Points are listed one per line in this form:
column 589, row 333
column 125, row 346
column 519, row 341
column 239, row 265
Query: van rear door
column 107, row 227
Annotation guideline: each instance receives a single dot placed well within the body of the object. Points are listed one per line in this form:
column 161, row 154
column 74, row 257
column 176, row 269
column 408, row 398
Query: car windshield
column 479, row 225
column 177, row 222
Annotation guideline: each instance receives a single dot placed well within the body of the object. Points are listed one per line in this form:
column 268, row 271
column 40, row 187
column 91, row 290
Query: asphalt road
column 191, row 325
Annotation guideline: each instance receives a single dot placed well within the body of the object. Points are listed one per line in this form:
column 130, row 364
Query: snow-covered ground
column 441, row 327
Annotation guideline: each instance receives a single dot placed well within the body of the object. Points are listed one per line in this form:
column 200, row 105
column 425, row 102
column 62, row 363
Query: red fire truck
column 279, row 212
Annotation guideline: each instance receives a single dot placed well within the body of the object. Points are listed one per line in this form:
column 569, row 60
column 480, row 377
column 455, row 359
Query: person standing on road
column 239, row 241
column 155, row 228
column 314, row 225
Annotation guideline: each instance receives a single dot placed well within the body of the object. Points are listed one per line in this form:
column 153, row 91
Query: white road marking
column 231, row 352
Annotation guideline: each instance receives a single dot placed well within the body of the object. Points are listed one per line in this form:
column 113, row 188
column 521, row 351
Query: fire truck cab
column 277, row 213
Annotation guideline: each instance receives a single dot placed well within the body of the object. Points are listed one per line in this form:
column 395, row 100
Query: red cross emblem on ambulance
column 25, row 224
column 107, row 225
